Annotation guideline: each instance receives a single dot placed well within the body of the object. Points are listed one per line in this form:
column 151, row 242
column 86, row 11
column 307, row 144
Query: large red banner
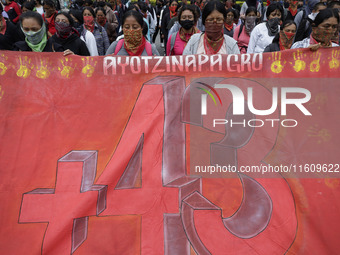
column 221, row 154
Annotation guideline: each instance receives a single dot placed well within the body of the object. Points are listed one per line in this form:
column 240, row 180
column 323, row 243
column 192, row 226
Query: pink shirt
column 178, row 46
column 242, row 40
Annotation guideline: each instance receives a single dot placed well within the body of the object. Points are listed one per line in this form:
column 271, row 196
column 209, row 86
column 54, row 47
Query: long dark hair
column 68, row 16
column 49, row 3
column 232, row 11
column 191, row 8
column 212, row 6
column 138, row 17
column 90, row 10
column 29, row 5
column 325, row 14
column 251, row 9
column 272, row 7
column 32, row 15
column 100, row 9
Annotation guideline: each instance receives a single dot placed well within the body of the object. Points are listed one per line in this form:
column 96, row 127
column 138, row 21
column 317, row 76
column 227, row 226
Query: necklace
column 212, row 47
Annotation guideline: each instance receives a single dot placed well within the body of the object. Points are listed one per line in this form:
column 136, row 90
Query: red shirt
column 13, row 10
column 50, row 23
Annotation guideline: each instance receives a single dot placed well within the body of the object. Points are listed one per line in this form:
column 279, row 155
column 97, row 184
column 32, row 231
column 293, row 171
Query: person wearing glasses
column 212, row 41
column 324, row 26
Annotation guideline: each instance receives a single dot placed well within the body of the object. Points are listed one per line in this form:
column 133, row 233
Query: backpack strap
column 172, row 42
column 304, row 14
column 148, row 47
column 119, row 46
column 302, row 30
column 82, row 32
column 241, row 28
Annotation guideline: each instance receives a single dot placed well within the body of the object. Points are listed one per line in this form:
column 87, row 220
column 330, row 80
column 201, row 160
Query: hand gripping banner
column 180, row 155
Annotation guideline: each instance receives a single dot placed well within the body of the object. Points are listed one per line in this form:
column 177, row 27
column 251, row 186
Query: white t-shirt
column 259, row 39
column 90, row 42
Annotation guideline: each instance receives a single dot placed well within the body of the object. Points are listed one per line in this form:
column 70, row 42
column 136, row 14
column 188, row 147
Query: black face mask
column 186, row 24
column 273, row 26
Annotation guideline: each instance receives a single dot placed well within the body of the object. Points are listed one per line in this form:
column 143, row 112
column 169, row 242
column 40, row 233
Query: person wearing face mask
column 97, row 30
column 86, row 35
column 34, row 28
column 12, row 9
column 76, row 17
column 135, row 7
column 49, row 16
column 242, row 32
column 134, row 42
column 212, row 41
column 229, row 24
column 336, row 6
column 264, row 33
column 109, row 27
column 292, row 9
column 178, row 40
column 284, row 39
column 110, row 16
column 67, row 36
column 167, row 16
column 308, row 9
column 305, row 28
column 176, row 26
column 143, row 8
column 324, row 26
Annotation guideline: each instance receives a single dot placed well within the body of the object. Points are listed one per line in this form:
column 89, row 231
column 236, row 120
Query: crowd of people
column 113, row 27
